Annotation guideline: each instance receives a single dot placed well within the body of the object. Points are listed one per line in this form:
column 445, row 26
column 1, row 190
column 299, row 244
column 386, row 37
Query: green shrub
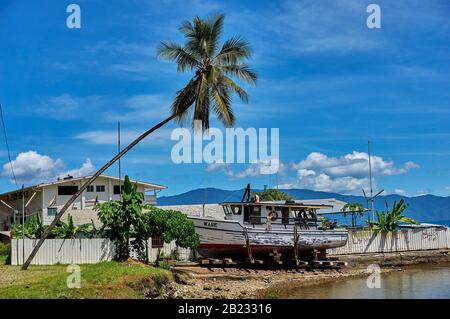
column 5, row 249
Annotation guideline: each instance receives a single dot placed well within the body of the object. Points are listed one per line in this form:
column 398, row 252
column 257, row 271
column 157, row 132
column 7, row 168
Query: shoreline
column 228, row 283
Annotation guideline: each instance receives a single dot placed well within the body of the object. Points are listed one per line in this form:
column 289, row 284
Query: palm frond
column 237, row 89
column 183, row 100
column 408, row 220
column 215, row 26
column 222, row 105
column 233, row 51
column 241, row 71
column 172, row 51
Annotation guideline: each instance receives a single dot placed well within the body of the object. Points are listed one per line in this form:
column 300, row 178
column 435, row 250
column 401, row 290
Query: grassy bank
column 103, row 280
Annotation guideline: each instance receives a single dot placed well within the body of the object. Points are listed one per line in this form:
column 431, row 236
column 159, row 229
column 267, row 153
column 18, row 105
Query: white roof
column 148, row 186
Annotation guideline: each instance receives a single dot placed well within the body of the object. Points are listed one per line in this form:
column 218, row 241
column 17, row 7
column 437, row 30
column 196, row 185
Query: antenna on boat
column 246, row 196
column 372, row 197
column 370, row 181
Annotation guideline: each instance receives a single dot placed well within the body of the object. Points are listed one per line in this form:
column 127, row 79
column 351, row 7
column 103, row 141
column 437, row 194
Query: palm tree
column 355, row 209
column 211, row 87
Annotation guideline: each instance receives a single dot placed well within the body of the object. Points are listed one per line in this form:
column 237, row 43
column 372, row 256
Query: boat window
column 246, row 214
column 312, row 214
column 255, row 214
column 285, row 215
column 226, row 210
column 236, row 209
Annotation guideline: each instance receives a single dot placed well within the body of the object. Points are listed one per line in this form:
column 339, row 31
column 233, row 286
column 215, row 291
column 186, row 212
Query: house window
column 117, row 189
column 90, row 189
column 51, row 211
column 67, row 190
column 157, row 242
column 100, row 188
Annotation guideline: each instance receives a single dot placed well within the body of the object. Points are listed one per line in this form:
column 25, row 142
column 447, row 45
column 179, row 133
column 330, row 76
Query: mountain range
column 425, row 208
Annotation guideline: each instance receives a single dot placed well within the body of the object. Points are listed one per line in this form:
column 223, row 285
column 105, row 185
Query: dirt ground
column 203, row 282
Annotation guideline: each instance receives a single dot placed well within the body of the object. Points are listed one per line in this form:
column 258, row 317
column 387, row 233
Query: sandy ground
column 202, row 282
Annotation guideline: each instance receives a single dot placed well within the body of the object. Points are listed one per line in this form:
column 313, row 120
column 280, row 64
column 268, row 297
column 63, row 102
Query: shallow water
column 425, row 282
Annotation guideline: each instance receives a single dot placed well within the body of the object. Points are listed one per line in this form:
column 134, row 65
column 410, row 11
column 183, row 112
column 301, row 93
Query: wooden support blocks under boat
column 301, row 263
column 214, row 261
column 317, row 262
column 228, row 261
column 341, row 263
column 276, row 257
column 203, row 262
column 328, row 263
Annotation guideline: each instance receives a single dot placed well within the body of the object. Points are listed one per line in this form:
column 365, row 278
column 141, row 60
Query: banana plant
column 32, row 228
column 389, row 220
column 70, row 230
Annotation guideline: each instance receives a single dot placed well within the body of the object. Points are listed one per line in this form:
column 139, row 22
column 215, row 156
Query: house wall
column 85, row 203
column 47, row 196
column 7, row 214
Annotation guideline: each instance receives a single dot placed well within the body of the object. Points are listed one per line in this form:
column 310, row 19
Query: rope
column 7, row 147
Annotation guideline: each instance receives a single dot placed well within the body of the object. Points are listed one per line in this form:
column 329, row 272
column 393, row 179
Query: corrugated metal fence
column 360, row 242
column 63, row 251
column 83, row 251
column 86, row 251
column 169, row 250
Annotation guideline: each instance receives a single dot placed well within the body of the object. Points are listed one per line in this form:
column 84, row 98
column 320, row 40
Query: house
column 48, row 198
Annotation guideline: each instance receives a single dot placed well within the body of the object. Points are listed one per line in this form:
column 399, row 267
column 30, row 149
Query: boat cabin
column 275, row 214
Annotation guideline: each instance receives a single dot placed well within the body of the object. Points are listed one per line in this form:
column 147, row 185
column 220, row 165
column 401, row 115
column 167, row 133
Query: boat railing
column 303, row 223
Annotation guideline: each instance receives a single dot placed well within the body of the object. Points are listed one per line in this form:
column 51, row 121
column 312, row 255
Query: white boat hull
column 226, row 238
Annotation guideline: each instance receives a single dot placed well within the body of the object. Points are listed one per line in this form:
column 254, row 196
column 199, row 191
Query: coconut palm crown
column 211, row 87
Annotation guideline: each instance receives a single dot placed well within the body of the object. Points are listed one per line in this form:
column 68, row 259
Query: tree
column 211, row 87
column 130, row 222
column 120, row 219
column 355, row 209
column 169, row 225
column 272, row 195
column 389, row 220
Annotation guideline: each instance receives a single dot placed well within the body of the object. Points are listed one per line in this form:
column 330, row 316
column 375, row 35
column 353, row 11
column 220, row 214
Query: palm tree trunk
column 88, row 182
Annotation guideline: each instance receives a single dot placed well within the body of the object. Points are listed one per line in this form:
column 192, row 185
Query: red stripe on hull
column 240, row 251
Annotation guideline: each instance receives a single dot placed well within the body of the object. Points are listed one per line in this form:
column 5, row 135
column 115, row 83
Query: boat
column 252, row 229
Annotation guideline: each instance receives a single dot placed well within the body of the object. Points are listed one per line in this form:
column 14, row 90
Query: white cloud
column 260, row 168
column 32, row 167
column 400, row 192
column 355, row 164
column 310, row 179
column 86, row 169
column 66, row 106
column 347, row 174
column 137, row 108
column 104, row 137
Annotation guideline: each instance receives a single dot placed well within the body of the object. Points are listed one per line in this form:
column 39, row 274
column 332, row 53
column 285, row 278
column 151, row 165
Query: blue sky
column 325, row 80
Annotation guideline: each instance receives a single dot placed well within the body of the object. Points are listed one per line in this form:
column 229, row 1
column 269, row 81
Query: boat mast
column 370, row 181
